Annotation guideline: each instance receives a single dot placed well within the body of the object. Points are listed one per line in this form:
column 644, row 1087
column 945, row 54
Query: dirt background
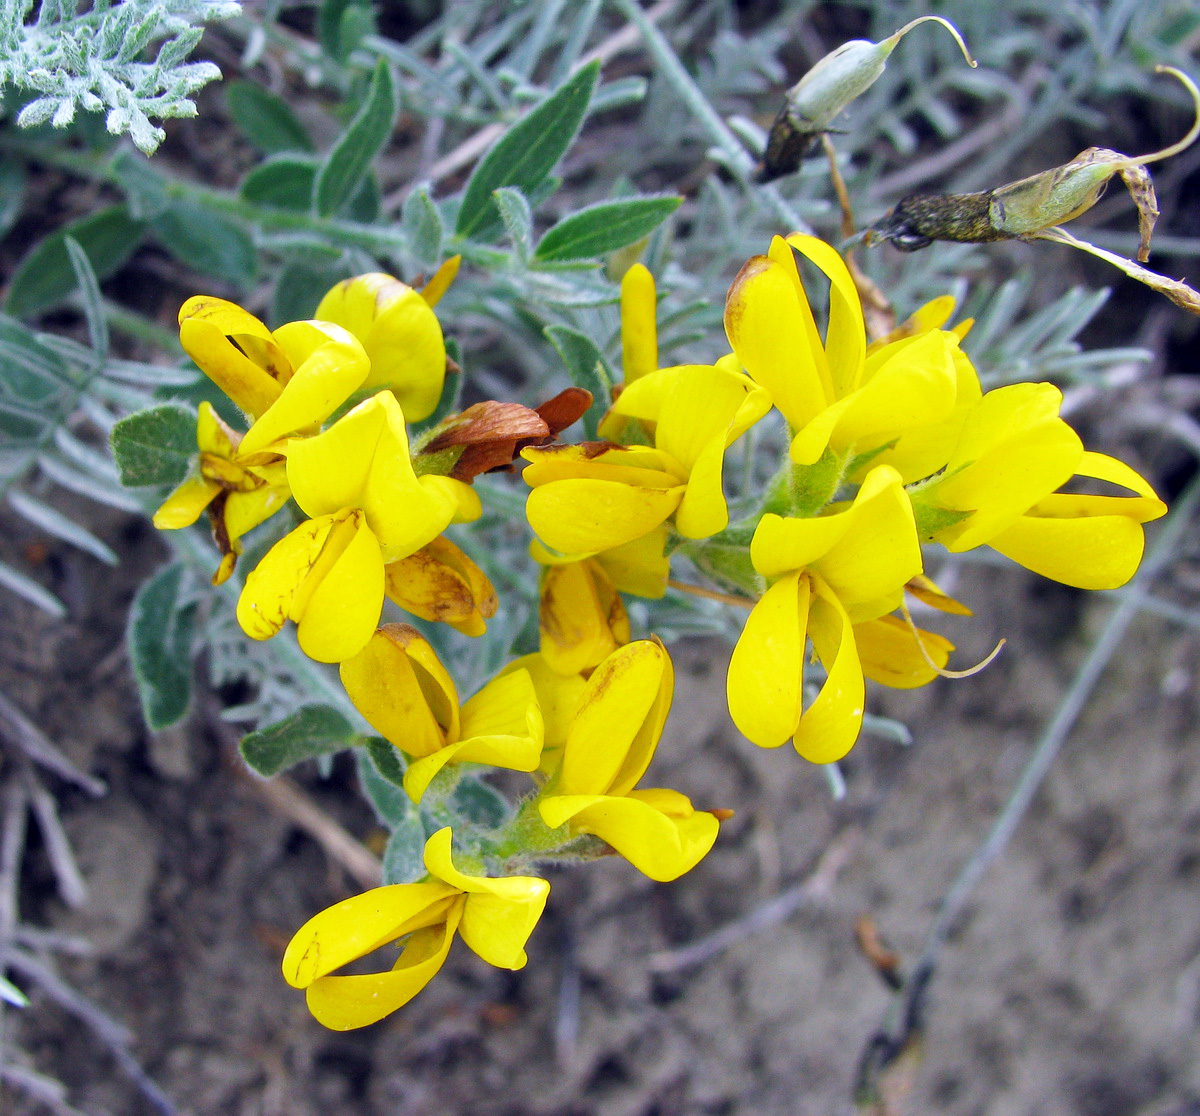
column 1071, row 985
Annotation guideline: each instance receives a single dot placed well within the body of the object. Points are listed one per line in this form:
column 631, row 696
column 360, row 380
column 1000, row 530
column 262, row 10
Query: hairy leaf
column 207, row 242
column 587, row 368
column 159, row 637
column 267, row 120
column 527, row 152
column 154, row 446
column 313, row 730
column 347, row 164
column 45, row 276
column 603, row 228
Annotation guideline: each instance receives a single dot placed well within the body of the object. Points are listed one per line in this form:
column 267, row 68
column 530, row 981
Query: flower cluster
column 893, row 445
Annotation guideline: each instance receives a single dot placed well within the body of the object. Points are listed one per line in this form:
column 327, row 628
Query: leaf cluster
column 90, row 61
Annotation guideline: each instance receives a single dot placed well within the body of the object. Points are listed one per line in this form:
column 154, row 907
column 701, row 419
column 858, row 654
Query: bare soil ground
column 1072, row 986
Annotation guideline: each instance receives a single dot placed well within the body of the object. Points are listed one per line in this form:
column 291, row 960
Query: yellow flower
column 889, row 653
column 581, row 617
column 399, row 685
column 399, row 332
column 639, row 330
column 827, row 575
column 239, row 491
column 368, row 508
column 289, row 381
column 608, row 747
column 999, row 486
column 835, row 394
column 439, row 582
column 493, row 916
column 596, row 496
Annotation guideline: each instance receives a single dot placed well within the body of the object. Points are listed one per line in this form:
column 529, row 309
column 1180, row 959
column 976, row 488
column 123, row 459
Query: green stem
column 343, row 233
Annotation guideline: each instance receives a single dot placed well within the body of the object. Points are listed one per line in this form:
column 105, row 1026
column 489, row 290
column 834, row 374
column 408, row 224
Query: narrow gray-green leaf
column 587, row 368
column 89, row 290
column 12, row 194
column 404, row 856
column 45, row 276
column 392, row 805
column 422, row 221
column 33, row 372
column 347, row 164
column 604, row 228
column 285, row 182
column 527, row 152
column 24, row 586
column 53, row 522
column 479, row 803
column 160, row 646
column 267, row 121
column 313, row 730
column 154, row 446
column 517, row 218
column 388, row 761
column 207, row 242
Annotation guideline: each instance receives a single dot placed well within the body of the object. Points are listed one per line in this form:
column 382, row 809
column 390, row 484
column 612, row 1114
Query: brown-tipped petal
column 492, row 433
column 565, row 408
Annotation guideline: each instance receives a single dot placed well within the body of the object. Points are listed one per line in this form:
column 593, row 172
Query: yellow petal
column 927, row 591
column 1143, row 508
column 1096, row 552
column 889, row 654
column 361, row 924
column 698, row 412
column 641, row 566
column 401, row 336
column 915, row 388
column 659, row 845
column 439, row 582
column 770, row 326
column 634, row 465
column 330, row 364
column 829, row 727
column 765, row 684
column 500, row 913
column 581, row 617
column 266, row 599
column 558, row 695
column 620, row 718
column 845, row 343
column 440, row 281
column 342, row 1003
column 363, row 461
column 184, row 506
column 866, row 552
column 933, row 315
column 246, row 510
column 503, row 723
column 639, row 332
column 1014, row 449
column 585, row 516
column 206, row 326
column 346, row 596
column 398, row 684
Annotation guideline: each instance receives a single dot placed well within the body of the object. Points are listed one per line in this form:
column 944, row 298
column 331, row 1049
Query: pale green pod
column 841, row 76
column 1054, row 196
column 837, row 79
